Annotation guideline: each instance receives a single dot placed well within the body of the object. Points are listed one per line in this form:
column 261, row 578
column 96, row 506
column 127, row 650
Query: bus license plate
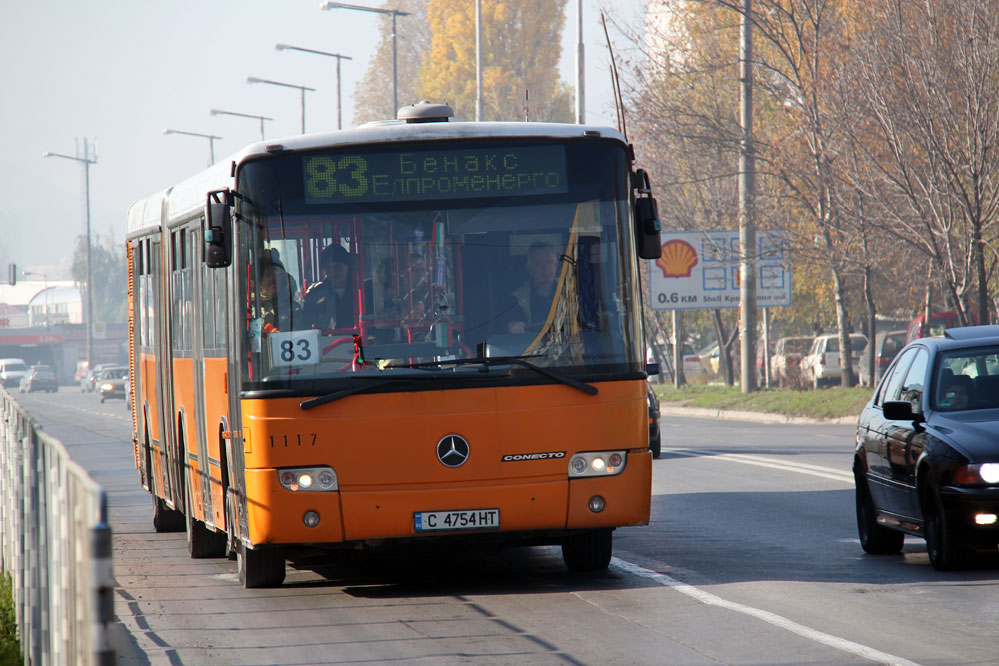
column 465, row 519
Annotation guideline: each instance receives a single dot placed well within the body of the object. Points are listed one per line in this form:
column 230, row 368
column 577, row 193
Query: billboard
column 700, row 269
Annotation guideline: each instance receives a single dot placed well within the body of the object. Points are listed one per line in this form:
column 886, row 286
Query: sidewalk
column 676, row 409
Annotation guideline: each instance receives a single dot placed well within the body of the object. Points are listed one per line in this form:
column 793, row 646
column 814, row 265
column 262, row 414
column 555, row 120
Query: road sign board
column 700, row 269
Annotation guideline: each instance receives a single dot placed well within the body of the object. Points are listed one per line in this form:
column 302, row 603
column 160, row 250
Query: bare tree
column 929, row 75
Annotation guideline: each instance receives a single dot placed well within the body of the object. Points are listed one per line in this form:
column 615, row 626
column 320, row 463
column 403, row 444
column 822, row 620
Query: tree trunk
column 872, row 326
column 843, row 325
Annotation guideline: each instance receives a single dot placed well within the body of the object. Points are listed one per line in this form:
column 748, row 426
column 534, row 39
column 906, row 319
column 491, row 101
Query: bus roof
column 188, row 196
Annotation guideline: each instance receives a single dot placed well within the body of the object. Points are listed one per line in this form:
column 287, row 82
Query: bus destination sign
column 453, row 173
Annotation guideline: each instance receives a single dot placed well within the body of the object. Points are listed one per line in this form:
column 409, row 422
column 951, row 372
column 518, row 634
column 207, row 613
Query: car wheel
column 945, row 554
column 874, row 538
column 656, row 445
column 588, row 551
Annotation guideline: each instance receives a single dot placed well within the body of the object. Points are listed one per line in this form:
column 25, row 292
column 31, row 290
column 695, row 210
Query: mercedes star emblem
column 452, row 450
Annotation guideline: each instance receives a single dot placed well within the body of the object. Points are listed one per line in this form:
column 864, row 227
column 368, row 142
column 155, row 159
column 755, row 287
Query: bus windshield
column 390, row 261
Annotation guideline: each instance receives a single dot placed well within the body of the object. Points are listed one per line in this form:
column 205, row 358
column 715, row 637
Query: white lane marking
column 801, row 468
column 772, row 618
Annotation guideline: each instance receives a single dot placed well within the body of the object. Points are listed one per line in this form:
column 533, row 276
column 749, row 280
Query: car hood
column 973, row 433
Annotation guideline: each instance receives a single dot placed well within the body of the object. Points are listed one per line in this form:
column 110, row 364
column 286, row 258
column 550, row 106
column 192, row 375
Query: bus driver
column 331, row 303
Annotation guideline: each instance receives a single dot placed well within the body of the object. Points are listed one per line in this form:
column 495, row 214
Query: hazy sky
column 120, row 71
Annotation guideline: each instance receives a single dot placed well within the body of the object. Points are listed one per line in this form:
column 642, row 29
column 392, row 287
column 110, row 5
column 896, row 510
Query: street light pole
column 254, row 79
column 393, row 13
column 219, row 112
column 287, row 47
column 86, row 161
column 211, row 141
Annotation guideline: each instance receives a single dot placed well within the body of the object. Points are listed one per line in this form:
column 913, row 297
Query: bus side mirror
column 647, row 224
column 218, row 233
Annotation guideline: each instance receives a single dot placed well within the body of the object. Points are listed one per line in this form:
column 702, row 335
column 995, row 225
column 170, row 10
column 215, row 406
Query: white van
column 11, row 371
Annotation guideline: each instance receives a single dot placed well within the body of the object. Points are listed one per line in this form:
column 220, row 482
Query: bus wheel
column 587, row 551
column 260, row 568
column 166, row 519
column 201, row 541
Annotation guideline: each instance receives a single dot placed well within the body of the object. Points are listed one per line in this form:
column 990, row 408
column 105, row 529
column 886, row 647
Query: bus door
column 159, row 328
column 205, row 424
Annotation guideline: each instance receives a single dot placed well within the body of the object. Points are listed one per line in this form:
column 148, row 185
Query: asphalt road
column 751, row 557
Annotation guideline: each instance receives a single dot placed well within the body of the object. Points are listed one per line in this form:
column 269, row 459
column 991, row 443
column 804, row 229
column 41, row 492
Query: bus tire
column 588, row 551
column 166, row 519
column 260, row 568
column 202, row 542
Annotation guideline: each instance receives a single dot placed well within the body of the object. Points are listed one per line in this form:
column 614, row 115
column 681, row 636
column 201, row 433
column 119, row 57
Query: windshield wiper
column 336, row 395
column 375, row 381
column 488, row 361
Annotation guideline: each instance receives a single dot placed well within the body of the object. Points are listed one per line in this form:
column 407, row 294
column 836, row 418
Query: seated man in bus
column 532, row 300
column 332, row 303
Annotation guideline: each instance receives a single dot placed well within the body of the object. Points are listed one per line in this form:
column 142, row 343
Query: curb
column 755, row 417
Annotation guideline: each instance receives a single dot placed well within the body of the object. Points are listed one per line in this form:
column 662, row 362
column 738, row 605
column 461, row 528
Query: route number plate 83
column 464, row 519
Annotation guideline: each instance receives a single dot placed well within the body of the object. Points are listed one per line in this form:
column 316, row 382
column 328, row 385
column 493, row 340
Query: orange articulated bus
column 412, row 330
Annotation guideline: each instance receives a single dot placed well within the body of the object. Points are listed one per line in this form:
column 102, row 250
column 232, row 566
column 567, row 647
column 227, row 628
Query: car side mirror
column 652, row 369
column 647, row 224
column 899, row 410
column 218, row 230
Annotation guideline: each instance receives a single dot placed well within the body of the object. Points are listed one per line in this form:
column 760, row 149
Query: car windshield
column 114, row 373
column 16, row 367
column 967, row 379
column 351, row 269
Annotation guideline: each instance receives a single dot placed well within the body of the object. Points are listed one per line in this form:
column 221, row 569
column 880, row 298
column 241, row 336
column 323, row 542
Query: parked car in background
column 926, row 460
column 655, row 435
column 111, row 383
column 939, row 322
column 11, row 371
column 821, row 366
column 785, row 370
column 691, row 363
column 885, row 348
column 87, row 384
column 39, row 378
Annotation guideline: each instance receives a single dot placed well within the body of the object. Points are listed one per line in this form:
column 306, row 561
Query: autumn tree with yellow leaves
column 521, row 47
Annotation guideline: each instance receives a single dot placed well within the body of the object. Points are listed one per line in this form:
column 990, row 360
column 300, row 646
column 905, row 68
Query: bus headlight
column 597, row 463
column 314, row 479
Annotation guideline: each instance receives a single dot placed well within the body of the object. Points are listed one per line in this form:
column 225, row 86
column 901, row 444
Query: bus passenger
column 277, row 304
column 531, row 301
column 331, row 303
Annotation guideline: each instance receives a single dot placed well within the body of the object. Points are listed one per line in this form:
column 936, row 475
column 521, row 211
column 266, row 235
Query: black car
column 927, row 454
column 655, row 437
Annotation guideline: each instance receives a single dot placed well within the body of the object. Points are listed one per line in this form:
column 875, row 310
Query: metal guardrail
column 55, row 543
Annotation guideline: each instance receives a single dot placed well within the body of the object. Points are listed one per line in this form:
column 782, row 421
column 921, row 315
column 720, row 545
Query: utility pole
column 478, row 60
column 86, row 160
column 747, row 192
column 580, row 77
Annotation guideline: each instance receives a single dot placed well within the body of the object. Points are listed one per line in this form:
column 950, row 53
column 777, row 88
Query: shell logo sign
column 678, row 259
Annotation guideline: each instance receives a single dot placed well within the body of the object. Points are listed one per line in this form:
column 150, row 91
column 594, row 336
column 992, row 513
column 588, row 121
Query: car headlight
column 314, row 479
column 977, row 474
column 597, row 463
